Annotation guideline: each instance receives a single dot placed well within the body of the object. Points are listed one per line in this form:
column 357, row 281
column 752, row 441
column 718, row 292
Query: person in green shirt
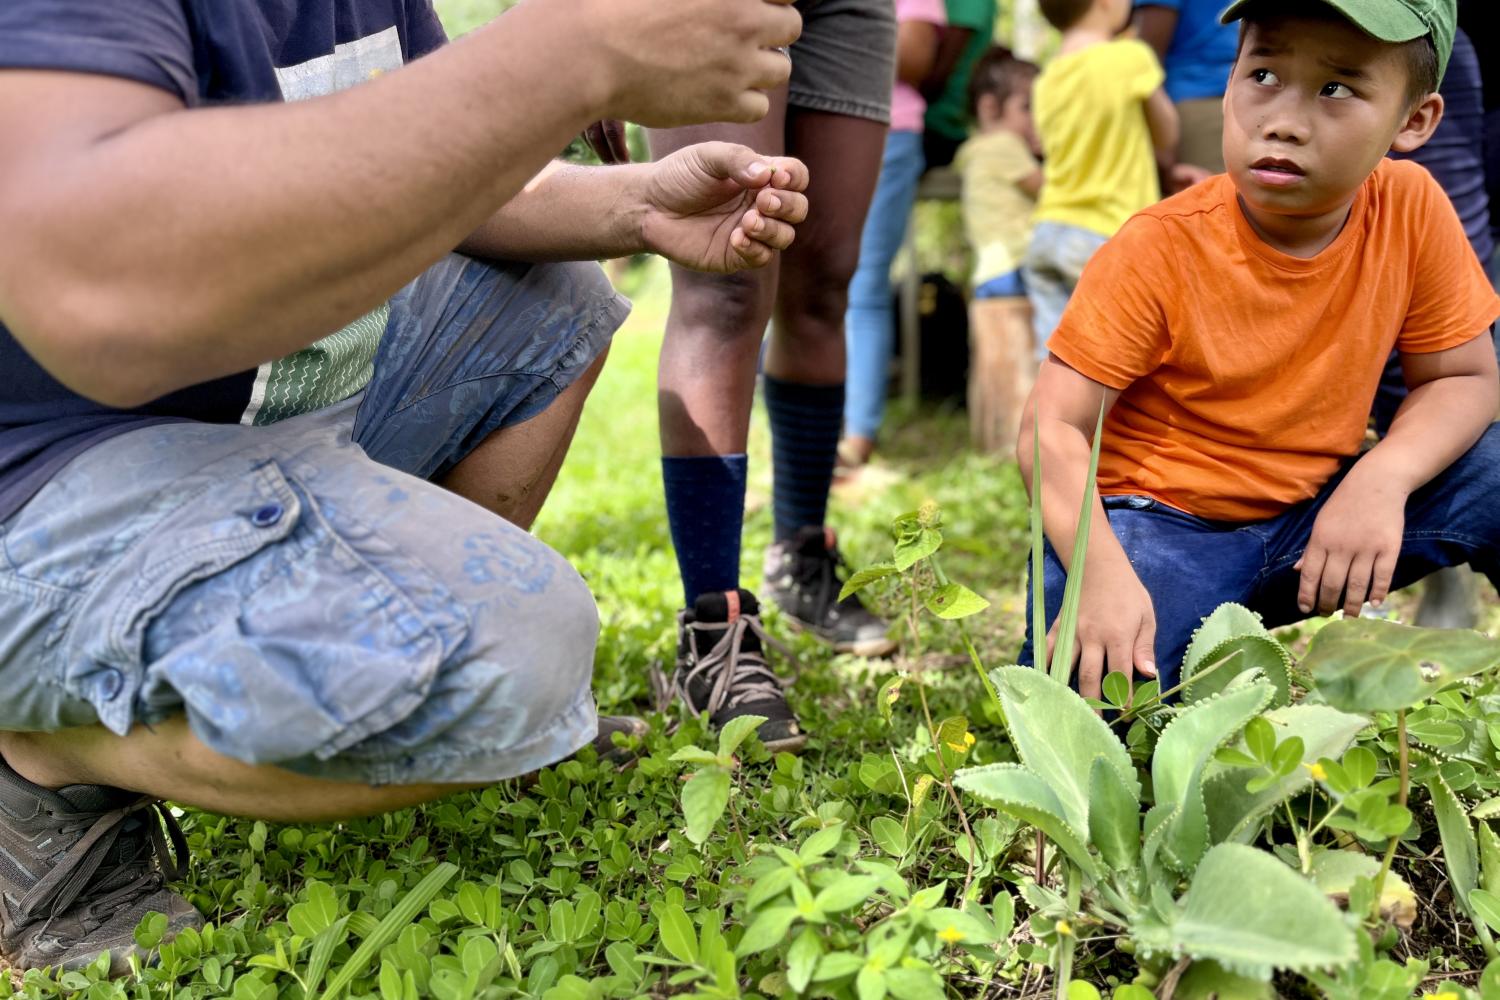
column 971, row 27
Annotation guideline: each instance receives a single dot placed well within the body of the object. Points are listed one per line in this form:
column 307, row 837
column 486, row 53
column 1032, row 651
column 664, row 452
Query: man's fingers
column 1384, row 573
column 1358, row 586
column 1331, row 588
column 775, row 203
column 1311, row 565
column 791, row 174
column 1091, row 670
column 774, row 234
column 751, row 252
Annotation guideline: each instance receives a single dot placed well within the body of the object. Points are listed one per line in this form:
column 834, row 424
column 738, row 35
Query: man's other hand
column 685, row 63
column 720, row 207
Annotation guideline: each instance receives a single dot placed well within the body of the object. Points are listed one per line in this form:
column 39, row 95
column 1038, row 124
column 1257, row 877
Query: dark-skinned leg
column 805, row 365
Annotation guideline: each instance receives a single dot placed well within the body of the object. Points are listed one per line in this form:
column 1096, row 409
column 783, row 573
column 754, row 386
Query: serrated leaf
column 1018, row 792
column 1460, row 850
column 1486, row 906
column 1252, row 914
column 1370, row 664
column 735, row 732
column 1233, row 630
column 1184, row 750
column 1058, row 736
column 704, row 799
column 863, row 578
column 1114, row 817
column 913, row 550
column 1489, row 858
column 953, row 601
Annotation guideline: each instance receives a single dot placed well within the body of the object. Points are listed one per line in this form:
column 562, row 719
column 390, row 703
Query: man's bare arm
column 148, row 248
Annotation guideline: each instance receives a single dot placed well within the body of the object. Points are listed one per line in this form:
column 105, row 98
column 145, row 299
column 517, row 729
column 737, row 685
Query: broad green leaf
column 735, row 732
column 1252, row 914
column 821, row 842
column 704, row 798
column 870, row 574
column 1117, row 689
column 1460, row 850
column 1211, row 981
column 1080, row 990
column 909, row 552
column 767, row 930
column 1359, row 764
column 316, row 913
column 678, row 936
column 1114, row 817
column 1067, row 621
column 400, row 916
column 1369, row 664
column 846, row 892
column 889, row 834
column 1231, row 641
column 837, row 965
column 1486, row 906
column 1260, row 740
column 1058, row 736
column 914, row 984
column 870, row 983
column 1489, row 858
column 695, row 755
column 1020, row 793
column 1130, row 991
column 1185, row 749
column 1233, row 811
column 802, row 959
column 955, row 926
column 954, row 600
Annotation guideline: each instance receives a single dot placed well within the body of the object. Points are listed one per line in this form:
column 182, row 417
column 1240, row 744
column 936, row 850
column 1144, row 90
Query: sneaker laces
column 70, row 880
column 737, row 676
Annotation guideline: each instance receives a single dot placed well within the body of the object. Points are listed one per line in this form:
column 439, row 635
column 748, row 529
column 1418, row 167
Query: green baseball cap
column 1390, row 21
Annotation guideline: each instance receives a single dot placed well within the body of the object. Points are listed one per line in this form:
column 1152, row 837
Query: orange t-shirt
column 1248, row 374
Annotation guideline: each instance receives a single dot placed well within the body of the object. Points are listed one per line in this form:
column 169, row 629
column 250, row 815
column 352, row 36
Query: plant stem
column 963, row 817
column 1403, row 762
column 1066, row 943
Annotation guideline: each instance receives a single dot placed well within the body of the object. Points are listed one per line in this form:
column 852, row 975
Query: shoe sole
column 884, row 646
column 790, row 744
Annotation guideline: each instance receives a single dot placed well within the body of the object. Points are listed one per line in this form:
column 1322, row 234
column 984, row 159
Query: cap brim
column 1389, row 21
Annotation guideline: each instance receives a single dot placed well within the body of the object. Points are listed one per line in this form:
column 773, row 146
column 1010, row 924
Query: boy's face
column 1313, row 105
column 1015, row 116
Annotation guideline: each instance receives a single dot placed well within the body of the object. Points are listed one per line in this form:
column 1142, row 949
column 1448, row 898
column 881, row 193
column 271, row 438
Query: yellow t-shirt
column 1090, row 113
column 997, row 213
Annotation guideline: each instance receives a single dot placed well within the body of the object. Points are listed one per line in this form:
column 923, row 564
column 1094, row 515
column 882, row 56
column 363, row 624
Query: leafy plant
column 705, row 796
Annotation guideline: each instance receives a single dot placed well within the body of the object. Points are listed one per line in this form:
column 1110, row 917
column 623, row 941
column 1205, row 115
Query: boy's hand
column 687, row 62
column 1356, row 540
column 1116, row 626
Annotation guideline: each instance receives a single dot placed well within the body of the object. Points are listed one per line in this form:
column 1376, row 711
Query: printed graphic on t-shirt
column 341, row 364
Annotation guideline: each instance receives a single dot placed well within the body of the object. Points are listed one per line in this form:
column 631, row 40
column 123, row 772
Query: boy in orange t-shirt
column 1236, row 335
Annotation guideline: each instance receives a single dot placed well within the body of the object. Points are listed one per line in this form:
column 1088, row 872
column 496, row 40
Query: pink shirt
column 907, row 105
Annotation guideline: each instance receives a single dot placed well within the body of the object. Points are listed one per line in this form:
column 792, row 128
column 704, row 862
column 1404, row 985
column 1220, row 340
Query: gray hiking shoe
column 79, row 868
column 804, row 575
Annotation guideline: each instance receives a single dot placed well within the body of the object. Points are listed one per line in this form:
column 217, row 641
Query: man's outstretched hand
column 720, row 207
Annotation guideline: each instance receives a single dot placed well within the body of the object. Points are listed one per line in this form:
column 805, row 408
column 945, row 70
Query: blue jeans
column 1007, row 286
column 1190, row 566
column 301, row 592
column 870, row 323
column 1054, row 263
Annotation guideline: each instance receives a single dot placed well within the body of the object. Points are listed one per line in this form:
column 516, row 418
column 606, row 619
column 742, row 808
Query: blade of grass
column 401, row 915
column 1038, row 560
column 1067, row 627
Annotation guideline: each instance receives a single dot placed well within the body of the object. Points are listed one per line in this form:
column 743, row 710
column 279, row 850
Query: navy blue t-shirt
column 205, row 52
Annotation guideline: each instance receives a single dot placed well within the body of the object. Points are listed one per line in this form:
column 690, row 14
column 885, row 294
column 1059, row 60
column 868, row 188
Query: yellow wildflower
column 1319, row 773
column 1064, row 928
column 952, row 935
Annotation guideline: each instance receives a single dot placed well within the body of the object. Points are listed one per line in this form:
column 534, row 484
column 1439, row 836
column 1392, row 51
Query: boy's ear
column 1420, row 124
column 987, row 108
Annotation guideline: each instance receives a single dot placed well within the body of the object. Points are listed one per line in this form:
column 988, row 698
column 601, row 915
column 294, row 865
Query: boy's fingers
column 1091, row 670
column 1359, row 585
column 1311, row 566
column 1385, row 572
column 1145, row 648
column 1331, row 589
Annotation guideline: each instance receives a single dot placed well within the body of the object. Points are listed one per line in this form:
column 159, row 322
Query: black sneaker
column 722, row 669
column 79, row 869
column 804, row 576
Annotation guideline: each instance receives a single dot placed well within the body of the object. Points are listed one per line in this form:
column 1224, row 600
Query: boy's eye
column 1337, row 91
column 1265, row 78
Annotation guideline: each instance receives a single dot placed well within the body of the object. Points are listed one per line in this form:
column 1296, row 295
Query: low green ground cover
column 899, row 855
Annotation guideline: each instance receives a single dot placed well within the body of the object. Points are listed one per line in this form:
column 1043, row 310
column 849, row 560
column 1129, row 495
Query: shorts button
column 267, row 515
column 111, row 683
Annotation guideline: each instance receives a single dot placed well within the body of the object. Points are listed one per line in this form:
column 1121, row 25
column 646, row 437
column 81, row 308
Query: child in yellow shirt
column 1103, row 118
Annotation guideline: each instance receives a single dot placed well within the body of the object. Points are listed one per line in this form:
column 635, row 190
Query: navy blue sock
column 805, row 425
column 706, row 511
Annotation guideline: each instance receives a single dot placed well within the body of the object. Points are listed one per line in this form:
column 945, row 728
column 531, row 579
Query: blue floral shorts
column 302, row 592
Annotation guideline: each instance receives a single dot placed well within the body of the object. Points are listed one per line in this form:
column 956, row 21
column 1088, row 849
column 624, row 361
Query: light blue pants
column 870, row 323
column 1054, row 263
column 301, row 592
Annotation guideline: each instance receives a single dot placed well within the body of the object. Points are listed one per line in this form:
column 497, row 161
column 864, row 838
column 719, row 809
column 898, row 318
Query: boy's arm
column 1032, row 182
column 1356, row 539
column 1116, row 622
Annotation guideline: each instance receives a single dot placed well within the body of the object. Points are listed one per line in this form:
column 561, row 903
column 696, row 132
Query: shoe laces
column 72, row 880
column 735, row 675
